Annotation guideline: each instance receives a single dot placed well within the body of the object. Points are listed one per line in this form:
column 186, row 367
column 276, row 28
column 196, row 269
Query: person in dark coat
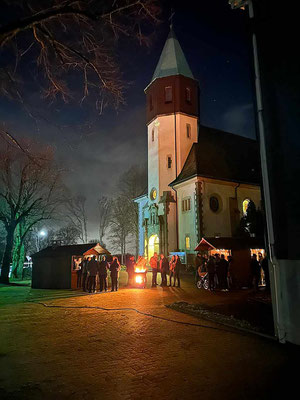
column 223, row 272
column 84, row 274
column 255, row 272
column 114, row 273
column 164, row 268
column 130, row 270
column 218, row 270
column 211, row 269
column 177, row 270
column 92, row 268
column 79, row 273
column 102, row 272
column 198, row 263
column 265, row 267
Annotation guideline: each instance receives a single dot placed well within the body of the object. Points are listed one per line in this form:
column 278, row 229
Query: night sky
column 214, row 40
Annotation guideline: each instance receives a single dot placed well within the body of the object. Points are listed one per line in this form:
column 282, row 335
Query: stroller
column 202, row 281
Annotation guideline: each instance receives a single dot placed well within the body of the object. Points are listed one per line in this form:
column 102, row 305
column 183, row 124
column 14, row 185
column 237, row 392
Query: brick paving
column 85, row 353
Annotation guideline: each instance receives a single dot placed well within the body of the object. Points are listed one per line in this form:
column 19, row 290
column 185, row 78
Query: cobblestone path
column 87, row 353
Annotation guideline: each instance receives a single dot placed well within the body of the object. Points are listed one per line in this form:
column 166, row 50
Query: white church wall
column 153, row 161
column 166, row 143
column 184, row 143
column 186, row 219
column 218, row 223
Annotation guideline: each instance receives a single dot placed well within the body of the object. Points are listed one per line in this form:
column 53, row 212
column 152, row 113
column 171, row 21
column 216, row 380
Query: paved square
column 89, row 353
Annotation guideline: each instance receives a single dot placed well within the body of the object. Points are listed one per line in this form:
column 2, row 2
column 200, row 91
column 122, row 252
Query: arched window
column 187, row 242
column 245, row 206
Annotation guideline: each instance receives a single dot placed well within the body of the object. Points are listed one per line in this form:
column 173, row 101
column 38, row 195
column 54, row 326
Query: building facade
column 196, row 185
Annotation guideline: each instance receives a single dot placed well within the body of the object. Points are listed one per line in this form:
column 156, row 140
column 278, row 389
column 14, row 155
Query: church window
column 169, row 162
column 151, row 102
column 168, row 94
column 188, row 95
column 214, row 203
column 152, row 135
column 187, row 242
column 245, row 206
column 186, row 204
column 188, row 131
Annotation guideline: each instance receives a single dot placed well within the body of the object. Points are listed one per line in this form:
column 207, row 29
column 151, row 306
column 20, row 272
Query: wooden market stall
column 239, row 248
column 55, row 267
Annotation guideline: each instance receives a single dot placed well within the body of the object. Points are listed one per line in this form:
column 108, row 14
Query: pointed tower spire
column 172, row 60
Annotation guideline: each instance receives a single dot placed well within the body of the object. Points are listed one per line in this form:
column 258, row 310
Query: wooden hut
column 55, row 266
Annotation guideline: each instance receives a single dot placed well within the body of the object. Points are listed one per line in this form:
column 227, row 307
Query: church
column 200, row 179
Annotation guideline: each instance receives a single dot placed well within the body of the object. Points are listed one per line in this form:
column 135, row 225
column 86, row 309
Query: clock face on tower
column 153, row 194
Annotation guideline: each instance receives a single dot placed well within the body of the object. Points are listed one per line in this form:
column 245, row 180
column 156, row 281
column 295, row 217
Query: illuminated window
column 152, row 135
column 186, row 204
column 153, row 194
column 245, row 206
column 168, row 94
column 187, row 243
column 188, row 94
column 214, row 204
column 169, row 162
column 188, row 131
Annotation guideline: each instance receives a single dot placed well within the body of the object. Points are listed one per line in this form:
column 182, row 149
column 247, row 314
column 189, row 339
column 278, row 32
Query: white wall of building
column 218, row 224
column 163, row 146
column 186, row 220
column 214, row 224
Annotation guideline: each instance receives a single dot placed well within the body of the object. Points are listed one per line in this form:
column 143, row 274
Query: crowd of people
column 221, row 276
column 164, row 267
column 92, row 273
column 91, row 270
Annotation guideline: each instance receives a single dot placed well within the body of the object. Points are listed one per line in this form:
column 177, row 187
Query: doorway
column 153, row 245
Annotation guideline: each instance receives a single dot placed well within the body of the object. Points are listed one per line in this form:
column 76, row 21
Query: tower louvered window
column 168, row 94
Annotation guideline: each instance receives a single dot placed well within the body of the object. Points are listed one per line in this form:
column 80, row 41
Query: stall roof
column 232, row 243
column 58, row 251
column 96, row 250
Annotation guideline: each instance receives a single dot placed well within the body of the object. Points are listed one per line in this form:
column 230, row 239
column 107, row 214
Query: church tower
column 172, row 121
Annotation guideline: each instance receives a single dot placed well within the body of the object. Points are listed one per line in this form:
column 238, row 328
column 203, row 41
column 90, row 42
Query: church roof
column 172, row 60
column 224, row 156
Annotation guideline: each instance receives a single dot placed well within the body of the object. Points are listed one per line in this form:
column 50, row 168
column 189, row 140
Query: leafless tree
column 76, row 215
column 132, row 183
column 72, row 44
column 30, row 191
column 119, row 229
column 104, row 208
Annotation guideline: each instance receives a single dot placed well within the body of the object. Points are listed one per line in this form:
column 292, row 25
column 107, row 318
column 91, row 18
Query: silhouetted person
column 172, row 271
column 217, row 264
column 92, row 268
column 102, row 272
column 265, row 267
column 84, row 274
column 223, row 271
column 153, row 265
column 114, row 273
column 198, row 262
column 177, row 271
column 79, row 273
column 255, row 272
column 211, row 270
column 164, row 267
column 130, row 270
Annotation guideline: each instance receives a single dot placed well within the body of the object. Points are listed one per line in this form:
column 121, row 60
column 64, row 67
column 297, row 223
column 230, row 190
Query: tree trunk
column 7, row 255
